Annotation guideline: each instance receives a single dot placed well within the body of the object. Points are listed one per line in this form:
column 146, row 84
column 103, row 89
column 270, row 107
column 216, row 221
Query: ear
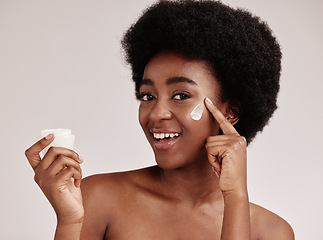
column 233, row 112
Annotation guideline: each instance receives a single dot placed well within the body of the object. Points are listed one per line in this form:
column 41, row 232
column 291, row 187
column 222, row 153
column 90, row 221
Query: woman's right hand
column 59, row 176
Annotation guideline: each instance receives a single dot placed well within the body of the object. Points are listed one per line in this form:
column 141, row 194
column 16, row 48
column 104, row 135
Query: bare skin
column 198, row 190
column 141, row 210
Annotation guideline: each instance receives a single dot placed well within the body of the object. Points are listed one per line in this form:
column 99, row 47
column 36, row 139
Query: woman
column 207, row 77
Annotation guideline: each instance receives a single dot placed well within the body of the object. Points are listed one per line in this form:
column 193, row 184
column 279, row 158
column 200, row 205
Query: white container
column 63, row 138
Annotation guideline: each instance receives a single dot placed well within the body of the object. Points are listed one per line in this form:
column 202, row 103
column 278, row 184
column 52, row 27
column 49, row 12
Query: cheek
column 197, row 112
column 200, row 121
column 182, row 115
column 193, row 116
column 142, row 116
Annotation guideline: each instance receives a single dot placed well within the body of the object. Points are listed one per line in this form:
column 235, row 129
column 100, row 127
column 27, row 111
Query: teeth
column 165, row 135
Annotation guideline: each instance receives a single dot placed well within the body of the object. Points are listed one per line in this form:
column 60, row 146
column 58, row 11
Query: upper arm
column 269, row 226
column 95, row 208
column 278, row 229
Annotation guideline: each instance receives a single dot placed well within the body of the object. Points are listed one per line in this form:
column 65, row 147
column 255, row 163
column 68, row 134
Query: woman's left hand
column 227, row 154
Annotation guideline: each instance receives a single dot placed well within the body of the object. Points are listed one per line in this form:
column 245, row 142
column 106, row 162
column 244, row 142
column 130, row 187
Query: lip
column 165, row 144
column 160, row 130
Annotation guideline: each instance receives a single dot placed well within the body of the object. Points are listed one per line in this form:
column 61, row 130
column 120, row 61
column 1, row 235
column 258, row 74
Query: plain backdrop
column 61, row 65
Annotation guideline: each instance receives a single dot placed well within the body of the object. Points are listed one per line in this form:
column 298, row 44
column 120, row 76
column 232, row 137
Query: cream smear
column 196, row 114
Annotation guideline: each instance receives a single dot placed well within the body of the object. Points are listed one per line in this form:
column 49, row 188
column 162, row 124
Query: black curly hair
column 240, row 48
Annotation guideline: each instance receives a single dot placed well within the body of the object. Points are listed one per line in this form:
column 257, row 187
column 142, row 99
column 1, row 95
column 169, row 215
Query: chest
column 157, row 220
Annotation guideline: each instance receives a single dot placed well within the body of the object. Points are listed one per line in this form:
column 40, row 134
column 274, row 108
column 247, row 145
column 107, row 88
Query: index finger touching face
column 224, row 124
column 32, row 153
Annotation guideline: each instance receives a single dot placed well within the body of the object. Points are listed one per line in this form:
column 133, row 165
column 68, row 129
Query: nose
column 160, row 111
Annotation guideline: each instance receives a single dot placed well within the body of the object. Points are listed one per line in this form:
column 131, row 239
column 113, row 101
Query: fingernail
column 81, row 159
column 216, row 172
column 209, row 101
column 49, row 136
column 77, row 183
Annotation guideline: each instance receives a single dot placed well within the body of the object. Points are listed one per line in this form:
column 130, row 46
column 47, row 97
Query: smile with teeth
column 159, row 136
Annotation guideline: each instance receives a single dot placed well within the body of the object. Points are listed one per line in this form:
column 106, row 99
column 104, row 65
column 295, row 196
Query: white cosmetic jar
column 63, row 138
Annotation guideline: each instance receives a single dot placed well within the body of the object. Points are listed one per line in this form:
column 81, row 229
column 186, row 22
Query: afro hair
column 239, row 47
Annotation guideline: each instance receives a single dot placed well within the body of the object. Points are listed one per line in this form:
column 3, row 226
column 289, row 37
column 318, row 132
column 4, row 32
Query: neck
column 196, row 185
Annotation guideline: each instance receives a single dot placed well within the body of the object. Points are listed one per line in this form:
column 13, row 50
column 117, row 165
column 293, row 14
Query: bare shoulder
column 104, row 195
column 110, row 186
column 267, row 225
column 114, row 188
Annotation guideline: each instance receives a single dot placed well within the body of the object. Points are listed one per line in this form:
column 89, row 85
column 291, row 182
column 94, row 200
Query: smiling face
column 172, row 87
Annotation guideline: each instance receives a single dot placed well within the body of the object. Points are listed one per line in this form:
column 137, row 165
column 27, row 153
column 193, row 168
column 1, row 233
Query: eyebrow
column 172, row 80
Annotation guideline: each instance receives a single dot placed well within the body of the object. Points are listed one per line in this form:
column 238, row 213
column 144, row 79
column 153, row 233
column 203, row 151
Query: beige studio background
column 61, row 66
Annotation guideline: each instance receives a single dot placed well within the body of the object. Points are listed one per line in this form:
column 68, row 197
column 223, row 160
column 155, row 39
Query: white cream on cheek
column 196, row 114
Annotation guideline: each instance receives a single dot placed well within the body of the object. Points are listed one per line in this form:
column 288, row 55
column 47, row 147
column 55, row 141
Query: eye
column 181, row 96
column 146, row 97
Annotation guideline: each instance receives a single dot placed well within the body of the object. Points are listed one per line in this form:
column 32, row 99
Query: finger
column 217, row 153
column 224, row 124
column 32, row 153
column 54, row 152
column 220, row 140
column 68, row 173
column 213, row 156
column 217, row 173
column 62, row 163
column 77, row 182
column 228, row 137
column 214, row 161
